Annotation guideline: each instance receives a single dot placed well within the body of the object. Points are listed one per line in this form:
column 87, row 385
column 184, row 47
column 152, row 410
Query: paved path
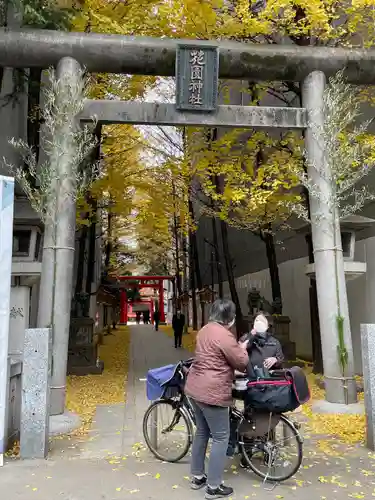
column 113, row 465
column 117, row 427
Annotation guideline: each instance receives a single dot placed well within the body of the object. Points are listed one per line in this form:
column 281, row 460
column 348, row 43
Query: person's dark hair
column 222, row 311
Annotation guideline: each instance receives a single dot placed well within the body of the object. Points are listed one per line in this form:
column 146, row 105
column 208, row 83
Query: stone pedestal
column 83, row 349
column 281, row 327
column 36, row 393
column 368, row 366
column 281, row 330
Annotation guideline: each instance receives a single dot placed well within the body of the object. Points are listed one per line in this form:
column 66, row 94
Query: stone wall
column 295, row 290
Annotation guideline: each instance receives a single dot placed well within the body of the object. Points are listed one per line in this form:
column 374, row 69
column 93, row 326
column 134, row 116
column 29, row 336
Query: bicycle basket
column 278, row 395
column 165, row 381
column 275, row 396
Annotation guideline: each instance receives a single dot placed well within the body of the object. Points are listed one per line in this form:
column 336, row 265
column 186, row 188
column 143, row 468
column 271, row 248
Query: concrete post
column 6, row 232
column 35, row 393
column 368, row 366
column 58, row 251
column 328, row 256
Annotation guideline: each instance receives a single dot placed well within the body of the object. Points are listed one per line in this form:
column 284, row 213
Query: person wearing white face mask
column 265, row 352
column 209, row 385
column 263, row 348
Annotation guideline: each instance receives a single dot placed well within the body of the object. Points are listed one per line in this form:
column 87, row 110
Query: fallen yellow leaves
column 14, row 451
column 84, row 394
column 348, row 429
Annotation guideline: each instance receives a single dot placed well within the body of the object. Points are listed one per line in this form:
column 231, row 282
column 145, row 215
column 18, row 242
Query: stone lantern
column 253, row 301
column 206, row 295
column 26, row 273
column 184, row 299
column 349, row 226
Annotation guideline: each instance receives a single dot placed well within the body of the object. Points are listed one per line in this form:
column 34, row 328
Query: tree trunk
column 219, row 272
column 80, row 268
column 192, row 284
column 240, row 327
column 33, row 112
column 109, row 244
column 269, row 242
column 186, row 279
column 211, row 137
column 196, row 264
column 212, row 268
column 177, row 257
column 3, row 22
column 314, row 316
column 198, row 275
column 176, row 237
column 91, row 258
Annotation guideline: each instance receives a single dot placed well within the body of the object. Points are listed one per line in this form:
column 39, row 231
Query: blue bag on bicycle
column 162, row 381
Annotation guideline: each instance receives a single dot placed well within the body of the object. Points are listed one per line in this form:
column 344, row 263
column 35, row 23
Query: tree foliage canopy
column 248, row 180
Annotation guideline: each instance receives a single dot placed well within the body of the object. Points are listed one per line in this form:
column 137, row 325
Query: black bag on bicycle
column 280, row 394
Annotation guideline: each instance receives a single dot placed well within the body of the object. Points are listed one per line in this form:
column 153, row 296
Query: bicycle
column 254, row 433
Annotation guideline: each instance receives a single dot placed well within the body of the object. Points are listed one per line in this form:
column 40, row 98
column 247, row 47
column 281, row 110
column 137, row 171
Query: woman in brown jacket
column 209, row 385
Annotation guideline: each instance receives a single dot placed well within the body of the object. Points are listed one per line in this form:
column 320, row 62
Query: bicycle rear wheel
column 167, row 430
column 277, row 456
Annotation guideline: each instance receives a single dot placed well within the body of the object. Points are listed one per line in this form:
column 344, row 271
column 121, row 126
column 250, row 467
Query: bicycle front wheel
column 167, row 430
column 276, row 456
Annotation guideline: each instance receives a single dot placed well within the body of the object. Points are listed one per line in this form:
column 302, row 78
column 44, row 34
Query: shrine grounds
column 107, row 460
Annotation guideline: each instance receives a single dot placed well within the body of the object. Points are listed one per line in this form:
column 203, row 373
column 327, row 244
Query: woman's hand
column 237, row 373
column 244, row 344
column 269, row 363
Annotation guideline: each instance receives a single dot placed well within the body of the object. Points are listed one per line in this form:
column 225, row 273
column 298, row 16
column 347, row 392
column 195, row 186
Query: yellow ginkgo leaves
column 85, row 393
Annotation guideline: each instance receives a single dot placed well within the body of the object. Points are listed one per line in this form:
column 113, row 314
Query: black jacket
column 260, row 348
column 178, row 323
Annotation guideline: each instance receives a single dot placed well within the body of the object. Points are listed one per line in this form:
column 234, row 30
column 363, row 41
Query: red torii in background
column 143, row 282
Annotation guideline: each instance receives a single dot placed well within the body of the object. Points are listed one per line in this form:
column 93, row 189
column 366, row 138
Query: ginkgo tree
column 248, row 180
column 326, row 22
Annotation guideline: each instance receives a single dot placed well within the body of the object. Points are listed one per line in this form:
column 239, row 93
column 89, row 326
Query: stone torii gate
column 309, row 66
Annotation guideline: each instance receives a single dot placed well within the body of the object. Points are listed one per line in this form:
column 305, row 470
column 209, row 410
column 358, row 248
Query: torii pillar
column 161, row 301
column 123, row 307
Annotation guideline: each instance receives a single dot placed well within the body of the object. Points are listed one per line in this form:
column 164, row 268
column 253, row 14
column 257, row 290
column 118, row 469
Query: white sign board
column 6, row 244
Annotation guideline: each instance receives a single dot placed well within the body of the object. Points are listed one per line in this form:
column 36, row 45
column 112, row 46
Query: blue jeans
column 211, row 421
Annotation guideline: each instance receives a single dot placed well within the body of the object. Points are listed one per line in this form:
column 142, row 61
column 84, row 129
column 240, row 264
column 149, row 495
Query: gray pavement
column 112, row 462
